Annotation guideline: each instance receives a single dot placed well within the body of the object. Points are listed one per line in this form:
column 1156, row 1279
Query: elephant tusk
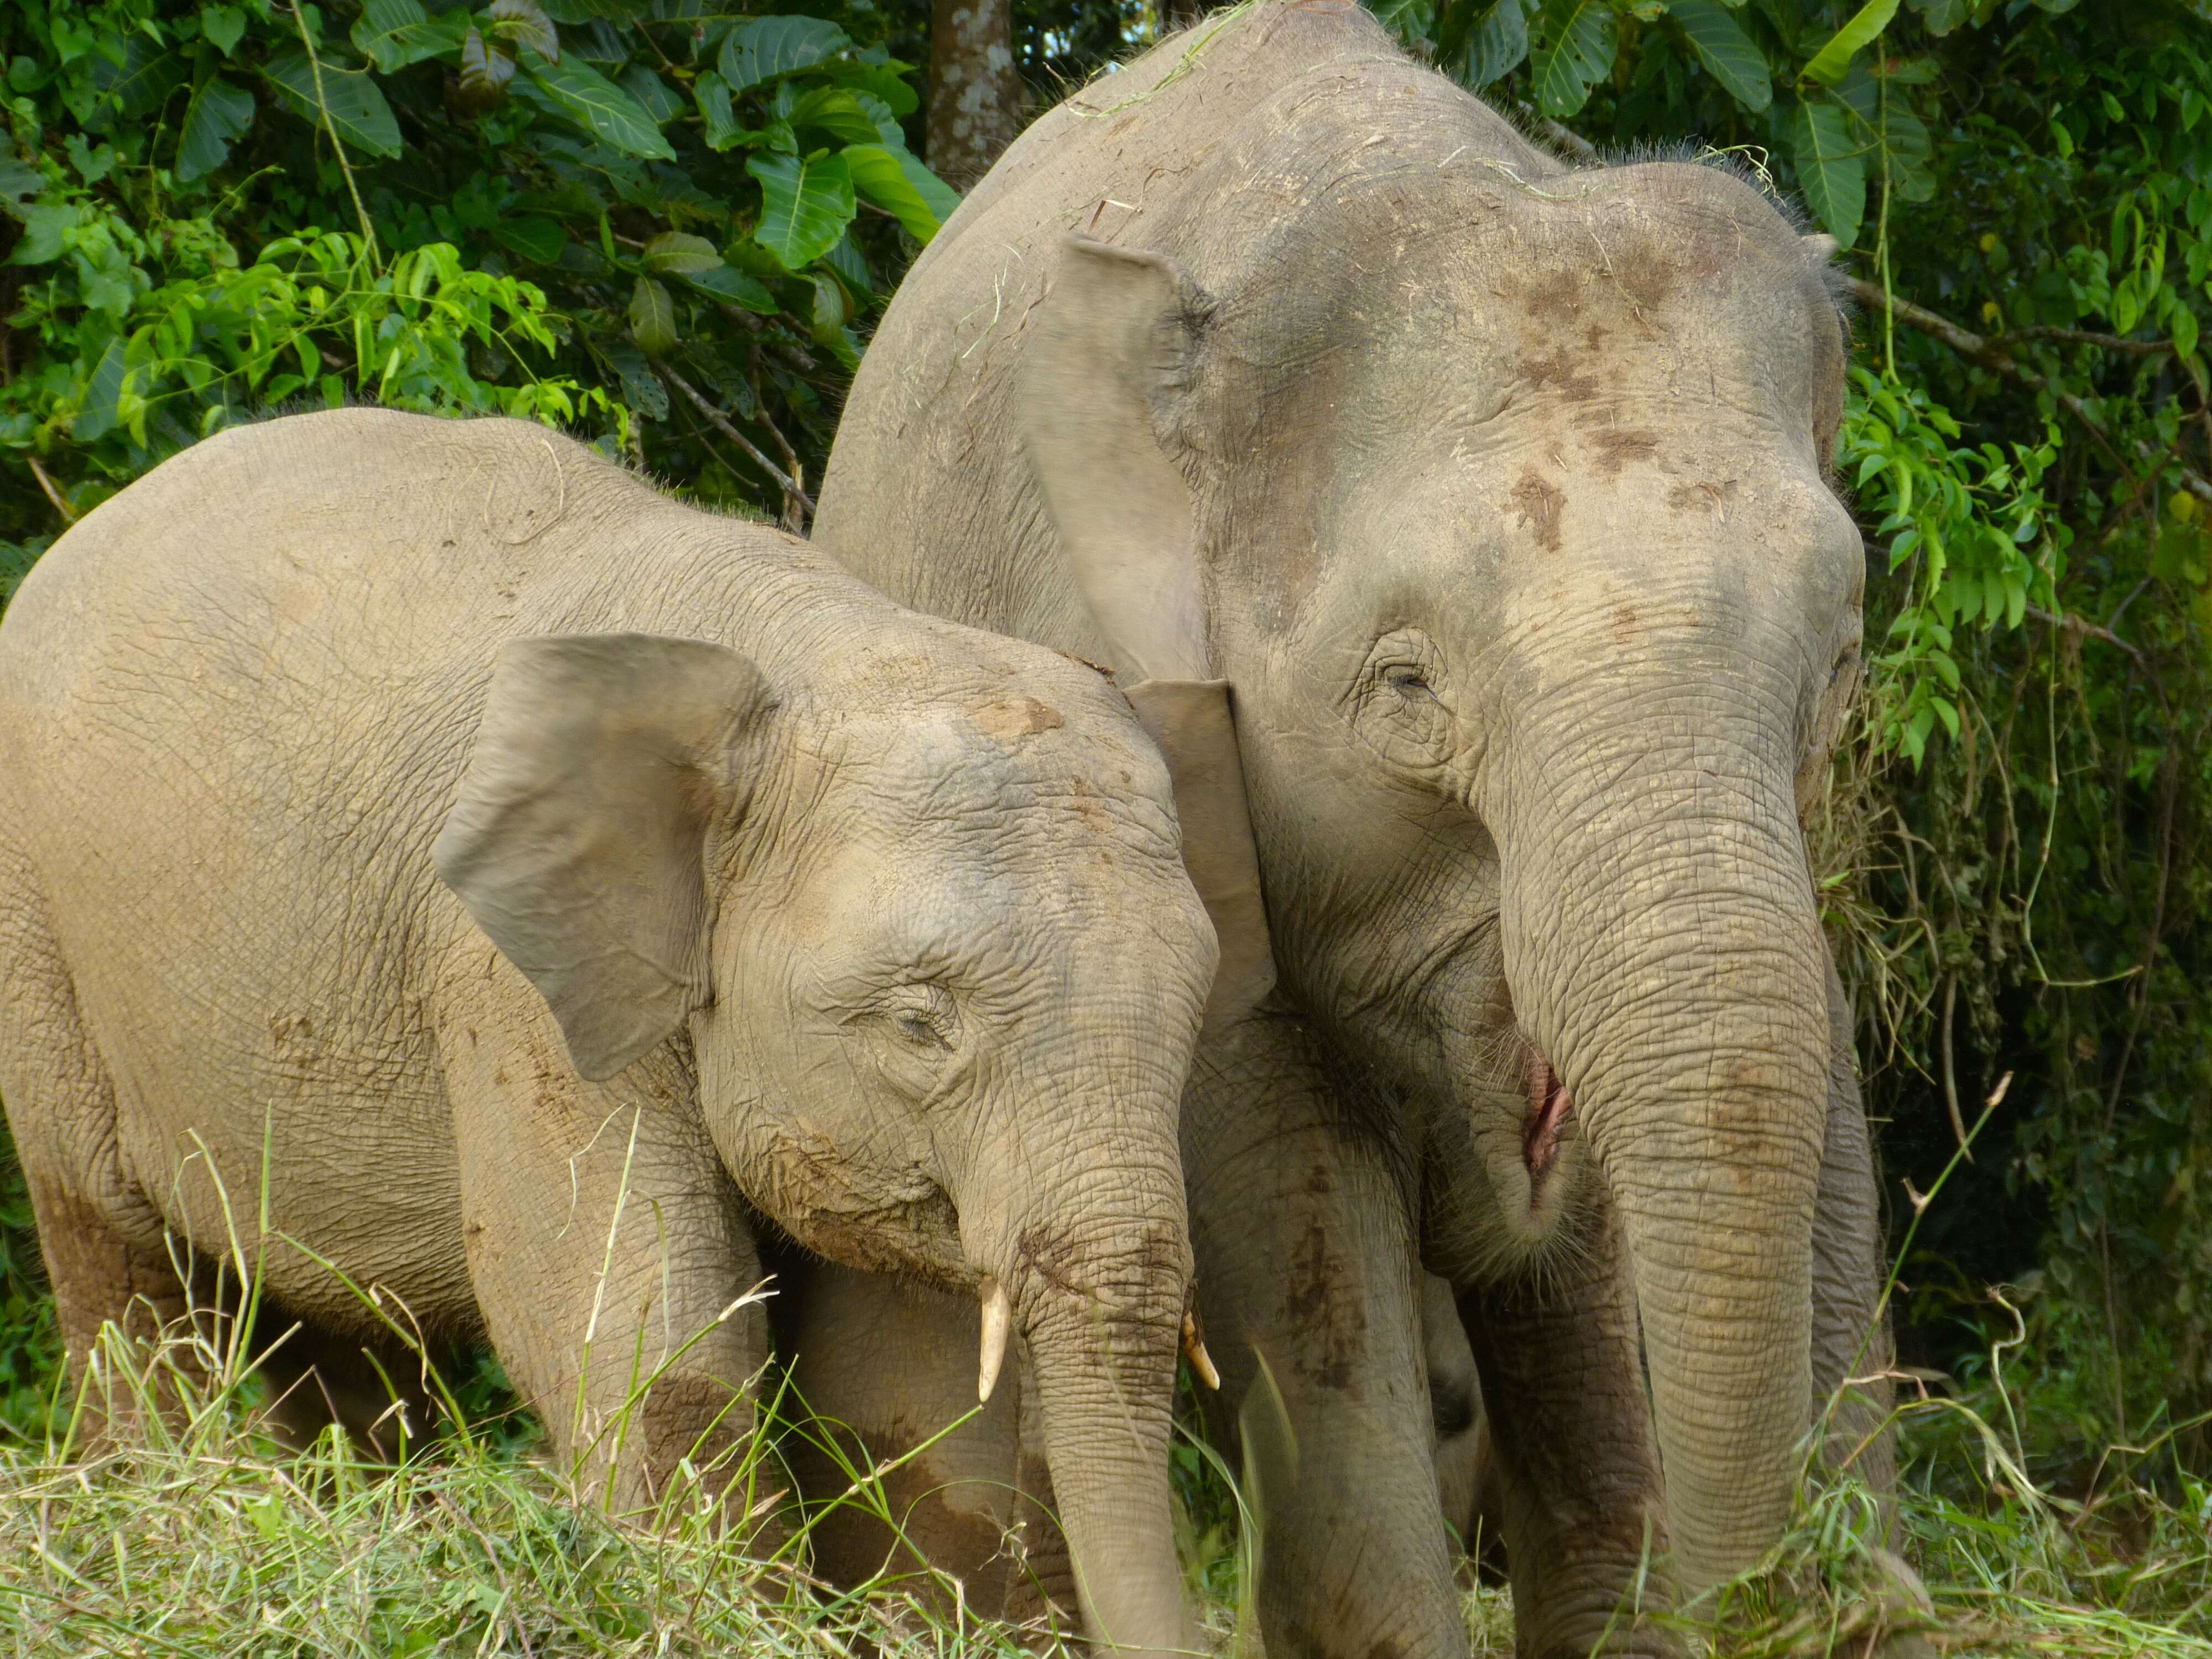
column 997, row 1324
column 1194, row 1349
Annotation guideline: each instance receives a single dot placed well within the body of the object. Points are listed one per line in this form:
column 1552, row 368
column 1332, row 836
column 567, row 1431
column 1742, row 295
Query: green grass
column 194, row 1537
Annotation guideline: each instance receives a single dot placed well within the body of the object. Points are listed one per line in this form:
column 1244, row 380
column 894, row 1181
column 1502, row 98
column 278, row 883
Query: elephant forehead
column 1009, row 761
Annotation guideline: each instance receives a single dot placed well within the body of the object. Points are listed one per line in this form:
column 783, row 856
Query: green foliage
column 552, row 211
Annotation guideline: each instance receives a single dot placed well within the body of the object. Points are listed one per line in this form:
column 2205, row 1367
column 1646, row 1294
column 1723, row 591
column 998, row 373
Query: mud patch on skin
column 1011, row 720
column 1327, row 1313
column 1615, row 448
column 1538, row 503
column 1563, row 372
column 1707, row 494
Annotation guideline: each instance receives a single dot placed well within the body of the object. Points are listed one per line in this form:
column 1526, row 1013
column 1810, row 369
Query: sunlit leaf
column 1577, row 52
column 808, row 203
column 590, row 101
column 1829, row 64
column 894, row 180
column 765, row 48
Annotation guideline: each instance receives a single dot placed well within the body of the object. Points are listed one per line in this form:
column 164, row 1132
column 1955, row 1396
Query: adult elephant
column 1500, row 492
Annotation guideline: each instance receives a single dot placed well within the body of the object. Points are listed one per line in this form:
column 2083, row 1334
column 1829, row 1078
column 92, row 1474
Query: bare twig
column 1994, row 357
column 2074, row 625
column 723, row 424
column 1558, row 136
column 62, row 507
column 2081, row 337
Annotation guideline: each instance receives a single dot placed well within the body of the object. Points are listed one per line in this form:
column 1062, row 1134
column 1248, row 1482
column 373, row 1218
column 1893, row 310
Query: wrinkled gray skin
column 1501, row 491
column 856, row 920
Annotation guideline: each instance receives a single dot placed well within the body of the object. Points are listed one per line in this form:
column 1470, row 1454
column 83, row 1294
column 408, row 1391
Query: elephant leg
column 1462, row 1455
column 107, row 1258
column 606, row 1247
column 1571, row 1445
column 1300, row 1223
column 881, row 1370
column 1852, row 1350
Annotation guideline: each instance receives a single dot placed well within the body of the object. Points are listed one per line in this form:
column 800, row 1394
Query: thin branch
column 2072, row 625
column 53, row 494
column 723, row 424
column 1994, row 357
column 2080, row 337
column 1558, row 136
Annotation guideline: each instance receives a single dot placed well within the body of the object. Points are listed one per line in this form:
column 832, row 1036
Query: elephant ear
column 1112, row 349
column 1111, row 345
column 578, row 842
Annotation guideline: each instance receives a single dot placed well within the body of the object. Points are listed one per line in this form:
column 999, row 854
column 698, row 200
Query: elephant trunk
column 1094, row 1275
column 1665, row 959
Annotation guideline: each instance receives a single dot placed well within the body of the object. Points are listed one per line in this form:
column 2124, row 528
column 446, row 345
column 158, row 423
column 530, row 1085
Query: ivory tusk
column 997, row 1324
column 1194, row 1349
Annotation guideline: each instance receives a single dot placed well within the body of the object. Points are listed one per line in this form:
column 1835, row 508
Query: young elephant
column 762, row 896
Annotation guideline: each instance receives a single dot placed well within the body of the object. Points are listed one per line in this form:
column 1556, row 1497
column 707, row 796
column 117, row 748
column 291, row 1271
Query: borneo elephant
column 1499, row 491
column 764, row 902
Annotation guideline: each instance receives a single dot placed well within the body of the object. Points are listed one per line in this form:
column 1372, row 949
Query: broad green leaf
column 725, row 282
column 673, row 253
column 1576, row 53
column 598, row 105
column 879, row 80
column 893, row 180
column 96, row 417
column 652, row 318
column 2185, row 332
column 718, row 122
column 1829, row 62
column 1730, row 54
column 537, row 239
column 223, row 27
column 218, row 116
column 17, row 178
column 849, row 263
column 356, row 113
column 148, row 75
column 765, row 48
column 1831, row 169
column 836, row 112
column 393, row 33
column 808, row 203
column 1498, row 44
column 654, row 95
column 523, row 23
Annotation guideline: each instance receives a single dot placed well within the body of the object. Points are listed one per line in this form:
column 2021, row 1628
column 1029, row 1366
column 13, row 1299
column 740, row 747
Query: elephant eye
column 923, row 1016
column 1408, row 682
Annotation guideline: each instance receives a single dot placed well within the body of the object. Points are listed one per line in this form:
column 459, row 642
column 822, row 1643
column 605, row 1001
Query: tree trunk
column 974, row 92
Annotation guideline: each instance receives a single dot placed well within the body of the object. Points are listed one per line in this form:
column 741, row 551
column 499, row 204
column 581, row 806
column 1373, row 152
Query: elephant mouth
column 1549, row 1106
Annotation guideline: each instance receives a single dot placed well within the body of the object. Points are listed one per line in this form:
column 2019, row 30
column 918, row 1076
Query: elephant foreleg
column 1301, row 1224
column 882, row 1370
column 605, row 1245
column 1852, row 1353
column 1574, row 1465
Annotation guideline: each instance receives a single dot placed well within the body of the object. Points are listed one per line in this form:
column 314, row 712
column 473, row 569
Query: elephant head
column 919, row 914
column 1502, row 499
